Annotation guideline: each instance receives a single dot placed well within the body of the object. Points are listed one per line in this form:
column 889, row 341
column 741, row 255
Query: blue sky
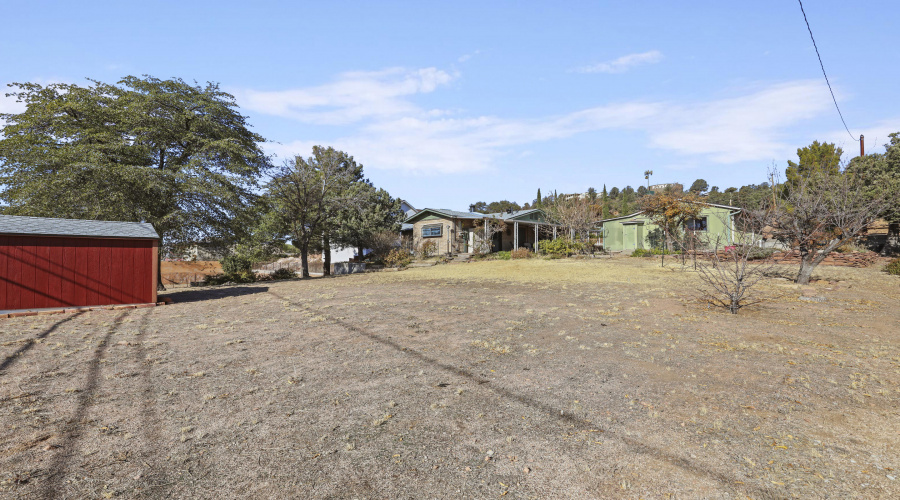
column 448, row 103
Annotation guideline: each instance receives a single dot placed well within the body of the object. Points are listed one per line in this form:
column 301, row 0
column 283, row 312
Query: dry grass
column 547, row 379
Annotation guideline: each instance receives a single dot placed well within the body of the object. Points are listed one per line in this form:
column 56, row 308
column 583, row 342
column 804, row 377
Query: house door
column 497, row 242
column 628, row 237
column 638, row 236
column 464, row 241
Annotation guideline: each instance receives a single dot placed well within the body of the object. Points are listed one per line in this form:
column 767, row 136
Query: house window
column 698, row 224
column 432, row 231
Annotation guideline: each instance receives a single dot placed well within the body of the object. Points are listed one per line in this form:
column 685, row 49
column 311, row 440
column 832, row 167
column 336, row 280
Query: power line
column 825, row 74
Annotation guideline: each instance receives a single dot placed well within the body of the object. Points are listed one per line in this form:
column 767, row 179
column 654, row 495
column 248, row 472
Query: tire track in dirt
column 634, row 445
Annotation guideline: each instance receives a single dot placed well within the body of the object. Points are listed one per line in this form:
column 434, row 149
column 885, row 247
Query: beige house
column 456, row 232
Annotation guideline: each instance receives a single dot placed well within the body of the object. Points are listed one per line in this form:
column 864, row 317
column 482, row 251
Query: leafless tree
column 485, row 229
column 823, row 211
column 575, row 216
column 382, row 242
column 730, row 274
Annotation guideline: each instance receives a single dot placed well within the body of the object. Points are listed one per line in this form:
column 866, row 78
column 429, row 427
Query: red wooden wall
column 43, row 271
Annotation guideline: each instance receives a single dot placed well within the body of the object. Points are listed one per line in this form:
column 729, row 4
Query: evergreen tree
column 604, row 196
column 539, row 200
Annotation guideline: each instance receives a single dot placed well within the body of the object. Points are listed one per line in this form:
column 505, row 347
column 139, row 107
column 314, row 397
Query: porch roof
column 454, row 214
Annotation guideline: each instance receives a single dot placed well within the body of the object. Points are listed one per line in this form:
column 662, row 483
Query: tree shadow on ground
column 635, row 445
column 204, row 294
column 9, row 360
column 71, row 432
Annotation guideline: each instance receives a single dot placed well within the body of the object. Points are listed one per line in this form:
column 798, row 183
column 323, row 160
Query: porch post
column 537, row 248
column 515, row 235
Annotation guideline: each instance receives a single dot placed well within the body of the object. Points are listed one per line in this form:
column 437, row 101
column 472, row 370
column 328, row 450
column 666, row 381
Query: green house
column 714, row 224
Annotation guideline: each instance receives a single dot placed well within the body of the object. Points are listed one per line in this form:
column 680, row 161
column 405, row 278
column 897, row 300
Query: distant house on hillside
column 630, row 232
column 456, row 232
column 674, row 186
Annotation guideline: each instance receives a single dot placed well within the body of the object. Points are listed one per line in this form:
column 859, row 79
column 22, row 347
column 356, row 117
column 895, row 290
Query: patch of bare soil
column 523, row 379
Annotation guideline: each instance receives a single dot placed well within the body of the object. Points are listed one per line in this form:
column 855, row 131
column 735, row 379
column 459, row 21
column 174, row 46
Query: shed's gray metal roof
column 44, row 226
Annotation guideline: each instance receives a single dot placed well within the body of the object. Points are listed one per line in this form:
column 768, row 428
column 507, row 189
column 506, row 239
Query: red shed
column 65, row 262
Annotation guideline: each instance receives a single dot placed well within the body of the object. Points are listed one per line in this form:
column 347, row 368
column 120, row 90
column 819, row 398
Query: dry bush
column 520, row 253
column 397, row 258
column 427, row 249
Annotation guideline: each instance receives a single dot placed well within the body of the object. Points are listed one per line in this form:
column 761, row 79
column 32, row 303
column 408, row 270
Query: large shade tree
column 176, row 155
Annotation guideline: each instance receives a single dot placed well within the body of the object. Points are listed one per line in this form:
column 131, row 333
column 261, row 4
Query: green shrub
column 283, row 274
column 560, row 247
column 501, row 255
column 520, row 253
column 236, row 264
column 397, row 258
column 893, row 267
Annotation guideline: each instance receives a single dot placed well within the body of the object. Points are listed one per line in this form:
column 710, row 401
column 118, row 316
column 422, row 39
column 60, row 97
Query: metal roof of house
column 514, row 214
column 45, row 226
column 455, row 214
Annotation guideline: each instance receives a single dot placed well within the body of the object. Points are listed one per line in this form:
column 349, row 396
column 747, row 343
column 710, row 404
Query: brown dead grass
column 541, row 379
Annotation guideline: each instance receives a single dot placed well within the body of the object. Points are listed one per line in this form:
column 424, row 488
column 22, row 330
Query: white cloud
column 624, row 63
column 351, row 98
column 465, row 57
column 747, row 127
column 388, row 131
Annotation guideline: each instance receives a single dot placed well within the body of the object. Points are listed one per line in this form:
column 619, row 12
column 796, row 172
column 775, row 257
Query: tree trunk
column 359, row 252
column 806, row 268
column 159, row 284
column 304, row 259
column 892, row 243
column 159, row 255
column 326, row 255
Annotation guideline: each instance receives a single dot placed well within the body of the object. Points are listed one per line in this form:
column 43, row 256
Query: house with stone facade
column 455, row 232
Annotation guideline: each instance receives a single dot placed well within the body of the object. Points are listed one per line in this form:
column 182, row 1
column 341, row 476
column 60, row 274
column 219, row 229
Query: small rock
column 526, row 470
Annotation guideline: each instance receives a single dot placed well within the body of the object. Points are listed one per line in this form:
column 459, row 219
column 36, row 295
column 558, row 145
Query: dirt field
column 523, row 379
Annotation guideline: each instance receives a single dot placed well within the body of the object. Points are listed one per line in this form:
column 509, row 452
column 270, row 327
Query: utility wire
column 825, row 74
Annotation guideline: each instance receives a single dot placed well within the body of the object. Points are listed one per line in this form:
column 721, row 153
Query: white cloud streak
column 351, row 98
column 623, row 63
column 386, row 130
